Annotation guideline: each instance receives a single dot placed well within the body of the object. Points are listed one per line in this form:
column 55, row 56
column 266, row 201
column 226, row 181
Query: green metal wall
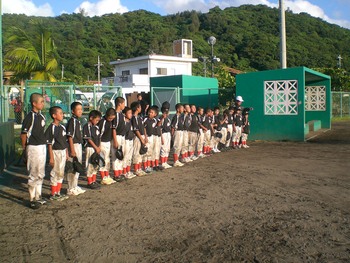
column 193, row 89
column 280, row 127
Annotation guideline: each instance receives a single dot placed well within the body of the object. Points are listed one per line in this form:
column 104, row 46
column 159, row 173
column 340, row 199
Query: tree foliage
column 247, row 38
column 31, row 56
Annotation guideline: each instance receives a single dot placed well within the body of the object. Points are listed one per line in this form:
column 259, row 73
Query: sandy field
column 274, row 202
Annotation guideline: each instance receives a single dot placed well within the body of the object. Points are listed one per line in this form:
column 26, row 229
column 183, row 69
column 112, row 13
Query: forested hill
column 247, row 38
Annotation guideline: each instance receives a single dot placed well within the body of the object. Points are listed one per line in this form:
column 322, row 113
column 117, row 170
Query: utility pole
column 339, row 61
column 283, row 45
column 62, row 72
column 99, row 64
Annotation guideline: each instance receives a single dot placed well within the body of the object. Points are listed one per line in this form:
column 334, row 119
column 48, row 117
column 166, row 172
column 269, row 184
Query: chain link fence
column 340, row 104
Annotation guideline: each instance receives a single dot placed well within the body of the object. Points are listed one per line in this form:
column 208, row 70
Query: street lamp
column 212, row 41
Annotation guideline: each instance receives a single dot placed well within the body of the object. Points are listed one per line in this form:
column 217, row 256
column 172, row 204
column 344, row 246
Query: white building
column 133, row 74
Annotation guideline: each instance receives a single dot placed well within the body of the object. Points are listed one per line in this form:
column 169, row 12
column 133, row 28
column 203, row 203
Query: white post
column 283, row 47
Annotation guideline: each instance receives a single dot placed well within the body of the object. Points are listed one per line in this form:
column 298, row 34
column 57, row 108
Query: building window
column 281, row 97
column 144, row 71
column 161, row 71
column 315, row 98
column 125, row 72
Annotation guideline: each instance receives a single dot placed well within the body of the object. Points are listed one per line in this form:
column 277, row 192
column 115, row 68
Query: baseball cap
column 239, row 98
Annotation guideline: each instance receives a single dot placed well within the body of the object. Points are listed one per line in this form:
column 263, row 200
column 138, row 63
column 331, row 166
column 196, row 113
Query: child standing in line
column 229, row 126
column 237, row 127
column 202, row 131
column 157, row 141
column 91, row 135
column 149, row 124
column 185, row 143
column 106, row 128
column 75, row 141
column 129, row 143
column 215, row 125
column 140, row 139
column 177, row 127
column 118, row 139
column 207, row 121
column 58, row 151
column 165, row 138
column 245, row 128
column 193, row 133
column 34, row 145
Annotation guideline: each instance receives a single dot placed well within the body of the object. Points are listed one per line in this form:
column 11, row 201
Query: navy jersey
column 194, row 126
column 166, row 125
column 177, row 122
column 91, row 132
column 34, row 126
column 187, row 121
column 206, row 122
column 238, row 120
column 74, row 129
column 119, row 123
column 150, row 125
column 137, row 124
column 106, row 128
column 230, row 119
column 129, row 131
column 56, row 136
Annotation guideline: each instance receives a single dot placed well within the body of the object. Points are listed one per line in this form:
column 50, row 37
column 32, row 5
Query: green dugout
column 289, row 104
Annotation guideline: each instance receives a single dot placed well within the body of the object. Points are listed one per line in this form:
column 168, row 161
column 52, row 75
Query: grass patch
column 344, row 118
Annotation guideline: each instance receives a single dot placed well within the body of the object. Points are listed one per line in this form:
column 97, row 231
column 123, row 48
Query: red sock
column 102, row 174
column 106, row 173
column 176, row 157
column 156, row 162
column 94, row 178
column 115, row 173
column 153, row 163
column 183, row 155
column 199, row 152
column 136, row 167
column 90, row 180
column 166, row 159
column 124, row 170
column 59, row 186
column 144, row 165
column 53, row 189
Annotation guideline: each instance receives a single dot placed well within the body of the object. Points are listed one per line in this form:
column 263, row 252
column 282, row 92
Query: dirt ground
column 274, row 202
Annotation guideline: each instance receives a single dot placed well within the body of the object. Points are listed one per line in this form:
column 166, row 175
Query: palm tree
column 31, row 58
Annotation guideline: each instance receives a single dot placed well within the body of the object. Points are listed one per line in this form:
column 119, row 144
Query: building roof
column 154, row 57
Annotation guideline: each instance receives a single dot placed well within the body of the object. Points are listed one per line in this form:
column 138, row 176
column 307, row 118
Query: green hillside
column 247, row 38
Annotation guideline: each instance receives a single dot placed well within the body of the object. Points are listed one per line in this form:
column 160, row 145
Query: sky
column 333, row 11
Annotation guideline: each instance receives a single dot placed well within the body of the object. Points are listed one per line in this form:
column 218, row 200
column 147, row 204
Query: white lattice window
column 281, row 97
column 315, row 98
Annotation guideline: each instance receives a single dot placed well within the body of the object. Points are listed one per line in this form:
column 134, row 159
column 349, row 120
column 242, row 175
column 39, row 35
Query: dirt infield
column 274, row 202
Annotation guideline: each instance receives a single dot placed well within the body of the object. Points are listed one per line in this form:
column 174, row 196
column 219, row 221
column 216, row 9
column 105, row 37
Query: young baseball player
column 157, row 141
column 215, row 124
column 149, row 123
column 230, row 126
column 118, row 139
column 237, row 127
column 177, row 127
column 193, row 132
column 75, row 141
column 91, row 135
column 207, row 123
column 140, row 139
column 129, row 143
column 202, row 131
column 165, row 138
column 34, row 145
column 57, row 143
column 185, row 143
column 245, row 128
column 106, row 128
